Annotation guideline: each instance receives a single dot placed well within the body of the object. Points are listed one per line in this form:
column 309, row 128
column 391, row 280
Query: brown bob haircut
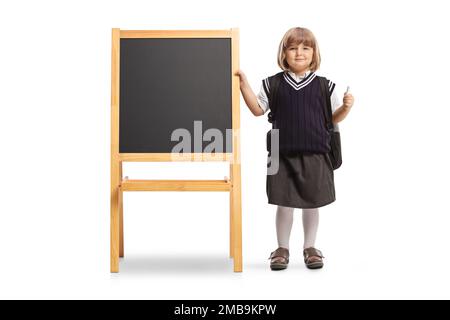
column 295, row 36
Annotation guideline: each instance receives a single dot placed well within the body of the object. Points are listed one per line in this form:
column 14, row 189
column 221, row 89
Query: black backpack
column 335, row 141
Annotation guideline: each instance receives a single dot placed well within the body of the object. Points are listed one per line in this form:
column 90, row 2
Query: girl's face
column 299, row 57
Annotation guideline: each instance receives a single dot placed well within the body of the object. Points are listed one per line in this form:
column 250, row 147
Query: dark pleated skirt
column 303, row 180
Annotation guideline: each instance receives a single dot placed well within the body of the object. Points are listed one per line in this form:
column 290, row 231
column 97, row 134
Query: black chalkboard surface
column 169, row 83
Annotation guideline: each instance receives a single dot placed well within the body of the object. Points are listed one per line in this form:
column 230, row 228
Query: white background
column 386, row 236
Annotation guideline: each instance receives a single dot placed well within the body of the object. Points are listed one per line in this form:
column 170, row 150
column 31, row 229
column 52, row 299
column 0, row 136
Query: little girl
column 305, row 177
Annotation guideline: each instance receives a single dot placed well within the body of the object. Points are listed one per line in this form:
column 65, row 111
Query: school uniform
column 305, row 177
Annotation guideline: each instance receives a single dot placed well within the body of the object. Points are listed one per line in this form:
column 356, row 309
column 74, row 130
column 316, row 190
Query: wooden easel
column 119, row 184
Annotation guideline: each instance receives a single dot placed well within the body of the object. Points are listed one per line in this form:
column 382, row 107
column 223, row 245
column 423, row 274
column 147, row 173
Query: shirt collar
column 299, row 78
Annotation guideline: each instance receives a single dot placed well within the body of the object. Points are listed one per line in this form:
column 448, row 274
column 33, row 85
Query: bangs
column 298, row 36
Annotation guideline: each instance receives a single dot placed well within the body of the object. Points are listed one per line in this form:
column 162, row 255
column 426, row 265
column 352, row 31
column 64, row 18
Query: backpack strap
column 274, row 83
column 328, row 111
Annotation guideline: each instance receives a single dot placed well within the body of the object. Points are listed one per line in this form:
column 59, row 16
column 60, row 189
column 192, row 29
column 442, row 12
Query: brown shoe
column 313, row 258
column 279, row 259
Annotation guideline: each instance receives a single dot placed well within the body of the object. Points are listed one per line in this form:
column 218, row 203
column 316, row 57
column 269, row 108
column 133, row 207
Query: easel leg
column 236, row 217
column 121, row 239
column 121, row 251
column 231, row 216
column 115, row 217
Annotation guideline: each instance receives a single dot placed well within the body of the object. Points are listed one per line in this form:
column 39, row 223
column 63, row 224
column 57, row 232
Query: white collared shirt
column 299, row 78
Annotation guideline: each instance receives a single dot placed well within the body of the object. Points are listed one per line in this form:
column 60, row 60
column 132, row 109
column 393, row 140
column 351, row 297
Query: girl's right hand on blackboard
column 241, row 76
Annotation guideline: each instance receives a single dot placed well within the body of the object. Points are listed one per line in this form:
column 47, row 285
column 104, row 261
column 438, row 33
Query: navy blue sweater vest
column 300, row 115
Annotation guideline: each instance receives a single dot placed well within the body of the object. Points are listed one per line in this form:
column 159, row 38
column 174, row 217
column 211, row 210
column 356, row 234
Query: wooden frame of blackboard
column 119, row 184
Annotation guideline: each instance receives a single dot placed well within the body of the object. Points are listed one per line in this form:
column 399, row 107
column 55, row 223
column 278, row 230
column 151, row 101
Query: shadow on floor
column 173, row 264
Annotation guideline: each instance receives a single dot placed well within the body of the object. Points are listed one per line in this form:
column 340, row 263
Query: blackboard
column 161, row 81
column 168, row 83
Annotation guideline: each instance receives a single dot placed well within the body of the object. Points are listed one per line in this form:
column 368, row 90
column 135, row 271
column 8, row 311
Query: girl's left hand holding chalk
column 348, row 99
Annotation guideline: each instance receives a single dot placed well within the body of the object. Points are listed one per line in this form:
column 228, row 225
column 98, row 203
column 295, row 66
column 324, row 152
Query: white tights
column 284, row 220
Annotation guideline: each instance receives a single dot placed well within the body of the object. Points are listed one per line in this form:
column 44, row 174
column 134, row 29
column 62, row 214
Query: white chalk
column 348, row 90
